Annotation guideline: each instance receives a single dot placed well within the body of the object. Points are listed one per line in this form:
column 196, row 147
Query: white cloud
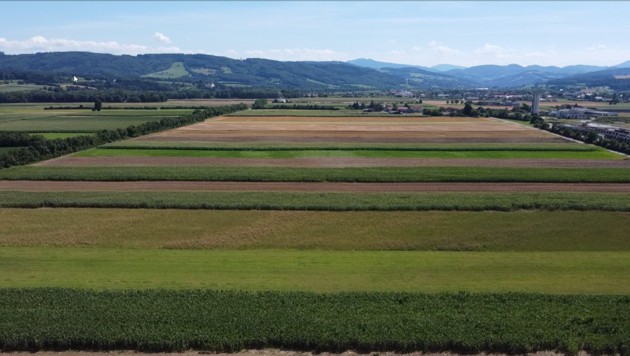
column 441, row 49
column 599, row 47
column 541, row 54
column 43, row 44
column 160, row 37
column 489, row 49
column 496, row 51
column 293, row 54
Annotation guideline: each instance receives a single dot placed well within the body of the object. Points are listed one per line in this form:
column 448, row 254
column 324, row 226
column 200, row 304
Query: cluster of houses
column 580, row 113
column 604, row 130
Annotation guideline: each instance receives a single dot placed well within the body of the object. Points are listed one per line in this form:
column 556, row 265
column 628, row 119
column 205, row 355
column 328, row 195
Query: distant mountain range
column 205, row 69
column 355, row 74
column 492, row 76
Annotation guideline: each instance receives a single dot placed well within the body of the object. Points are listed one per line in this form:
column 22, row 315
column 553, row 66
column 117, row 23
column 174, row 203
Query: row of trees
column 110, row 96
column 138, row 96
column 33, row 148
column 588, row 137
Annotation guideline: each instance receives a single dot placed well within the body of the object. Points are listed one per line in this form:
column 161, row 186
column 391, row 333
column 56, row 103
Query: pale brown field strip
column 178, row 186
column 344, row 119
column 328, row 138
column 329, row 162
column 356, row 129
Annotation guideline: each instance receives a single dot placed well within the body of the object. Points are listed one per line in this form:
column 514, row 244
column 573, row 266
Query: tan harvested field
column 177, row 186
column 358, row 130
column 328, row 162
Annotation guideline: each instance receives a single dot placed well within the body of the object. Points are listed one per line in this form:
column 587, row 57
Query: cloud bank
column 43, row 44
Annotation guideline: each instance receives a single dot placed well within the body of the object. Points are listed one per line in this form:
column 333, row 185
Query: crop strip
column 158, row 321
column 288, row 174
column 321, row 201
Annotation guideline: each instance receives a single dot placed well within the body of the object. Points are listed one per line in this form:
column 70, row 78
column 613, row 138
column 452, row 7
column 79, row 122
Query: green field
column 320, row 201
column 313, row 113
column 13, row 86
column 204, row 271
column 290, row 146
column 157, row 321
column 55, row 135
column 177, row 70
column 7, row 149
column 317, row 271
column 33, row 118
column 279, row 154
column 282, row 174
column 523, row 231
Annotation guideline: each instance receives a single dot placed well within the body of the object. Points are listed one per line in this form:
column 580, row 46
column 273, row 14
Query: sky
column 424, row 33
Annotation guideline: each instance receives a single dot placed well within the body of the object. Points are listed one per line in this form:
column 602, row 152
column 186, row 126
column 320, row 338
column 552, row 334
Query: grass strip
column 302, row 153
column 159, row 320
column 534, row 231
column 282, row 174
column 191, row 145
column 317, row 271
column 319, row 201
column 55, row 135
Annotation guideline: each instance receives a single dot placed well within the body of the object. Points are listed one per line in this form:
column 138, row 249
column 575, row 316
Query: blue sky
column 413, row 32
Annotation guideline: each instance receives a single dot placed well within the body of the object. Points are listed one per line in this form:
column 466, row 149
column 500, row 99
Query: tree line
column 33, row 148
column 587, row 137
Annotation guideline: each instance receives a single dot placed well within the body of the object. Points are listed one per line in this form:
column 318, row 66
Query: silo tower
column 536, row 103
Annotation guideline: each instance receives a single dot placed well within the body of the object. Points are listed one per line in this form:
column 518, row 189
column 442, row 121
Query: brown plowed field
column 328, row 162
column 176, row 186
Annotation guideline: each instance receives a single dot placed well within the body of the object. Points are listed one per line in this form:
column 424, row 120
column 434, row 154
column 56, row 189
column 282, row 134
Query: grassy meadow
column 142, row 143
column 317, row 271
column 301, row 153
column 33, row 118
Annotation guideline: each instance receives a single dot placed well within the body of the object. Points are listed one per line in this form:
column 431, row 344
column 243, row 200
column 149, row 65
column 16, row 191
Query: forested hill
column 202, row 68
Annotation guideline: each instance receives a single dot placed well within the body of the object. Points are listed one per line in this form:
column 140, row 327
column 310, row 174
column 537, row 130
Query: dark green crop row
column 282, row 174
column 161, row 320
column 320, row 201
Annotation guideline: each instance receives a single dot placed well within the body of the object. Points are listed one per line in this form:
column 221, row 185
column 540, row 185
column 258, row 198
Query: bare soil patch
column 328, row 162
column 176, row 186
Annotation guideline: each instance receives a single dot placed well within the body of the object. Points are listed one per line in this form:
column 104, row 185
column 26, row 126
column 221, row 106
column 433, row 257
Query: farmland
column 33, row 118
column 382, row 220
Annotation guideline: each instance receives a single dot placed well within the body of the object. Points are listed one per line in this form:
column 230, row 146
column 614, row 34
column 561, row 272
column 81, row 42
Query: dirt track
column 174, row 186
column 336, row 162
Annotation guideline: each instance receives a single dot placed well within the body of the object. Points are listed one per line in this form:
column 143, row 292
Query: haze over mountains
column 354, row 74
